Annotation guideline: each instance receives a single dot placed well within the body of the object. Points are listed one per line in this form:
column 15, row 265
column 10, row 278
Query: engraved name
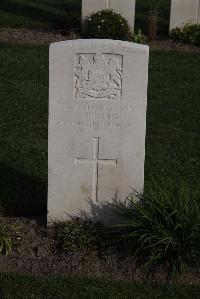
column 99, row 117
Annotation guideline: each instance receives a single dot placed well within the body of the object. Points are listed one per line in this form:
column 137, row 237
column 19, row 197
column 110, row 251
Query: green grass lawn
column 29, row 287
column 23, row 128
column 46, row 13
column 173, row 122
column 35, row 13
column 173, row 119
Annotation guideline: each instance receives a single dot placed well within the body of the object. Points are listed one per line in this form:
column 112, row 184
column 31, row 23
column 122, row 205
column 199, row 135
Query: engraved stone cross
column 96, row 161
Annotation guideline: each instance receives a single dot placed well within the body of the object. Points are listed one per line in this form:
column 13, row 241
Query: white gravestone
column 184, row 11
column 97, row 120
column 125, row 7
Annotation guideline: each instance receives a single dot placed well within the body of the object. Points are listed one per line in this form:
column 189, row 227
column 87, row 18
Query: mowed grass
column 173, row 119
column 29, row 287
column 173, row 122
column 23, row 129
column 35, row 13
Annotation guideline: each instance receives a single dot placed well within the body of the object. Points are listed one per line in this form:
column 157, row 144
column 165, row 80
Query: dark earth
column 33, row 36
column 34, row 252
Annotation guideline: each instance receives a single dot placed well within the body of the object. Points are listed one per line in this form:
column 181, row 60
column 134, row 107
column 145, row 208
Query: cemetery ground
column 48, row 14
column 35, row 14
column 172, row 145
column 43, row 22
column 172, row 158
column 76, row 287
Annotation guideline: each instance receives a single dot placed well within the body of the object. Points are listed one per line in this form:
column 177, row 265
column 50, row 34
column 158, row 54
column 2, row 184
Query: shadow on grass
column 28, row 11
column 21, row 194
column 73, row 5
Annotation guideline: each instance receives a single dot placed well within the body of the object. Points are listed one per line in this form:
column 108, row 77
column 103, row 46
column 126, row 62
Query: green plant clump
column 164, row 228
column 138, row 38
column 7, row 232
column 189, row 34
column 107, row 24
column 81, row 236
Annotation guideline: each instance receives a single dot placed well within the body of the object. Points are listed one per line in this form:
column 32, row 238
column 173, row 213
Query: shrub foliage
column 107, row 24
column 138, row 38
column 190, row 34
column 163, row 227
column 82, row 236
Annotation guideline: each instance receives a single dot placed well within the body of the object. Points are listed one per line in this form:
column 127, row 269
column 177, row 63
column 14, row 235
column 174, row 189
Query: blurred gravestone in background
column 184, row 11
column 124, row 7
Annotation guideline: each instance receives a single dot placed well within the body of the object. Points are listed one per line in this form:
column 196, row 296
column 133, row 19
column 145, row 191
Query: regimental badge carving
column 98, row 76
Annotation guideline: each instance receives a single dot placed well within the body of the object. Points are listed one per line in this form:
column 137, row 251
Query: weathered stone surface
column 125, row 7
column 184, row 11
column 97, row 120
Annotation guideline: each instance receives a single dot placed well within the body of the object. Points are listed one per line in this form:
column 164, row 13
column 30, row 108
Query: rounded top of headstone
column 100, row 42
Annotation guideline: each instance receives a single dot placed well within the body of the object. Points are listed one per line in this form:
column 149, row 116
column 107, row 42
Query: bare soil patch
column 36, row 36
column 167, row 44
column 33, row 36
column 35, row 253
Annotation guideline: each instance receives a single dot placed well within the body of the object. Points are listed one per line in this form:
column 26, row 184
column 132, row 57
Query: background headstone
column 125, row 7
column 97, row 120
column 184, row 11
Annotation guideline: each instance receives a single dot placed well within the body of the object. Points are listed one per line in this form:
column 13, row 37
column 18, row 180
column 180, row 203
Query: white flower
column 99, row 13
column 89, row 19
column 99, row 26
column 102, row 21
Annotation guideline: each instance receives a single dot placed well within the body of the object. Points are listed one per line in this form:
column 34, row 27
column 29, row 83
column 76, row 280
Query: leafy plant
column 190, row 34
column 163, row 227
column 7, row 232
column 107, row 24
column 138, row 38
column 81, row 236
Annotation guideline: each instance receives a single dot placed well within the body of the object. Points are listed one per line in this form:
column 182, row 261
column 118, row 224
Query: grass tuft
column 163, row 227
